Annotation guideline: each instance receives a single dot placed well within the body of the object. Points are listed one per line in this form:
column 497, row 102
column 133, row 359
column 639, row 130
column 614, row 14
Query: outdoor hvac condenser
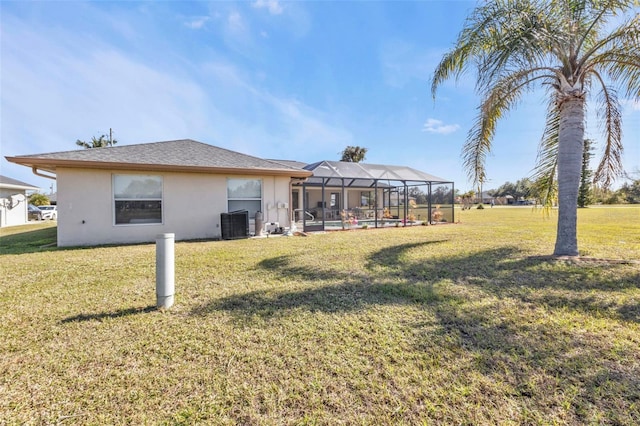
column 235, row 224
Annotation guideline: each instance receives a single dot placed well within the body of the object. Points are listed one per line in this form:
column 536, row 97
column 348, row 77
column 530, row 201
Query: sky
column 281, row 80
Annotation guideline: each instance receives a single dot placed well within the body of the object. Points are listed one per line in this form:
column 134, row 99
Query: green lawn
column 466, row 323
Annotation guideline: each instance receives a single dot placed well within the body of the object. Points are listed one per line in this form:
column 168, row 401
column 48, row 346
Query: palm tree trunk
column 570, row 146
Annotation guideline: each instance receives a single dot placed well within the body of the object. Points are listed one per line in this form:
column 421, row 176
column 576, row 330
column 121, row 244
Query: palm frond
column 599, row 17
column 545, row 172
column 472, row 41
column 619, row 58
column 500, row 99
column 521, row 39
column 609, row 109
column 624, row 37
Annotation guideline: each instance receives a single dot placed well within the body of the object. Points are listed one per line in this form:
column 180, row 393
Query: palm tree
column 353, row 154
column 569, row 47
column 101, row 142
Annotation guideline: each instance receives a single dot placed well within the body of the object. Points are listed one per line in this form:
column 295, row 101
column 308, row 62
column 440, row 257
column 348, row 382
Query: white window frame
column 259, row 199
column 154, row 199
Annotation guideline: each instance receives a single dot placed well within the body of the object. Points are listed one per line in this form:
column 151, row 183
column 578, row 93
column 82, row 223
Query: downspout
column 38, row 173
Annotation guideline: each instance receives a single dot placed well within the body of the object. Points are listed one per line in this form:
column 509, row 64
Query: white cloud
column 273, row 6
column 58, row 88
column 235, row 22
column 436, row 126
column 197, row 22
column 267, row 125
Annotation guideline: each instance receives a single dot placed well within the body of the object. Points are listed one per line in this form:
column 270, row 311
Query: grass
column 449, row 324
column 28, row 238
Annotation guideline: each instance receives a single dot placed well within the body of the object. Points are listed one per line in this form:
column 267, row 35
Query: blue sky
column 289, row 80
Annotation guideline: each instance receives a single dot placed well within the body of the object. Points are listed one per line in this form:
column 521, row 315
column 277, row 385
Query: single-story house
column 14, row 201
column 132, row 193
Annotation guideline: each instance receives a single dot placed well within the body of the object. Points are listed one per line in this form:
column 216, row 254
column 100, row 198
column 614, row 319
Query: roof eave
column 50, row 165
column 18, row 187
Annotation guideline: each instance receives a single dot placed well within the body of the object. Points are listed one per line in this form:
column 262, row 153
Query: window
column 137, row 199
column 244, row 194
column 335, row 200
column 366, row 198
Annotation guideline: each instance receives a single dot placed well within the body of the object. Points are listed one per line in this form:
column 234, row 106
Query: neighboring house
column 132, row 193
column 13, row 201
column 507, row 200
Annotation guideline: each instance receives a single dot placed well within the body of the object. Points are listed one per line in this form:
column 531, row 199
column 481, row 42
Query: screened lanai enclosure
column 343, row 195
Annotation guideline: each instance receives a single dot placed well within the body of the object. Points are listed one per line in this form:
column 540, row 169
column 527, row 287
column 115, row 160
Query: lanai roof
column 335, row 173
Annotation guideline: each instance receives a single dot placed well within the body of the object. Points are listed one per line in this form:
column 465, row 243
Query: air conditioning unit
column 235, row 224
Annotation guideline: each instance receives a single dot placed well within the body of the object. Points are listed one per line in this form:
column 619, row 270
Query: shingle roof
column 7, row 182
column 178, row 155
column 291, row 163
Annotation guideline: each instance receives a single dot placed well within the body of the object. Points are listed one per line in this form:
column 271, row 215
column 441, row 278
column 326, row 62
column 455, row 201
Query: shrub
column 38, row 199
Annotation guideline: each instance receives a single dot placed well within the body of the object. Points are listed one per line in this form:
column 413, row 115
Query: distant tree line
column 628, row 193
column 588, row 192
column 522, row 189
column 439, row 195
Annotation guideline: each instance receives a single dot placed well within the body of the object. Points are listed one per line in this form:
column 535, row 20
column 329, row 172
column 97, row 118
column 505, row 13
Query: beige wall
column 16, row 214
column 192, row 204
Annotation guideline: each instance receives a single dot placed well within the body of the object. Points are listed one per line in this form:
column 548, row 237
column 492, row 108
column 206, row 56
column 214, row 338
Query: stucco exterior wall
column 16, row 214
column 191, row 207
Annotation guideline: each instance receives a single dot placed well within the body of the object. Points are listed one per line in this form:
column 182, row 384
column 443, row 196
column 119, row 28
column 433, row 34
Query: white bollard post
column 165, row 270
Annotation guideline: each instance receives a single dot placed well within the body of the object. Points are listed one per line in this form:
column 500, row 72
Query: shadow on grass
column 29, row 241
column 104, row 315
column 388, row 277
column 492, row 315
column 392, row 256
column 541, row 363
column 39, row 240
column 351, row 295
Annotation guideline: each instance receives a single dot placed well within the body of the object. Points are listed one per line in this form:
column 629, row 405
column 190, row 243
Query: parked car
column 34, row 213
column 49, row 212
